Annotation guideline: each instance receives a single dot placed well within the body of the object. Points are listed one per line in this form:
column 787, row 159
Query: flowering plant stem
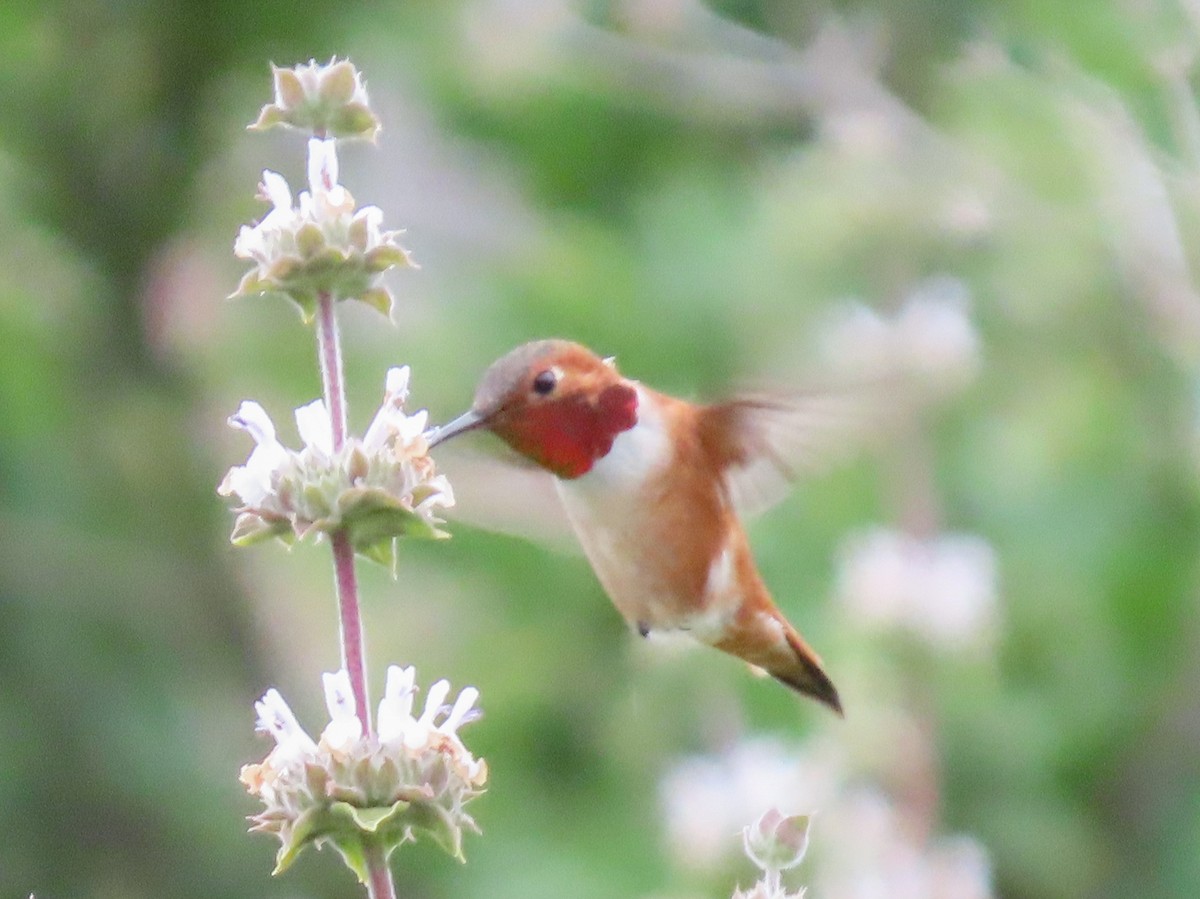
column 353, row 655
column 379, row 885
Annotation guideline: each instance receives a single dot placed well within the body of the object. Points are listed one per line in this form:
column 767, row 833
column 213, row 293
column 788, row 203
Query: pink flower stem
column 329, row 350
column 379, row 883
column 353, row 645
column 379, row 876
column 353, row 652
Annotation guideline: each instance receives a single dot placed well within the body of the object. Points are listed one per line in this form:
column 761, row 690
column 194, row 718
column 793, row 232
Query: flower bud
column 776, row 843
column 325, row 100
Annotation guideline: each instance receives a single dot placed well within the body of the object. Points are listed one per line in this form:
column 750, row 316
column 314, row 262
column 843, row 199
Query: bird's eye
column 545, row 382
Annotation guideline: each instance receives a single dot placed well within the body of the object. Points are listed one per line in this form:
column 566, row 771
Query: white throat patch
column 636, row 454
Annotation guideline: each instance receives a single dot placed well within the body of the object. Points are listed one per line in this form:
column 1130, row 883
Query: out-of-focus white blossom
column 869, row 851
column 349, row 790
column 318, row 243
column 327, row 100
column 863, row 846
column 942, row 589
column 378, row 488
column 929, row 339
column 707, row 798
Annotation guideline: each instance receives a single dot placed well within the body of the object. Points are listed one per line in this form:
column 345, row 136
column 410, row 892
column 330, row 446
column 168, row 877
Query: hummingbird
column 649, row 483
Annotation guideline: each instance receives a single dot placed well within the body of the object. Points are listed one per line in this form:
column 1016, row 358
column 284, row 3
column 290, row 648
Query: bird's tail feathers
column 765, row 639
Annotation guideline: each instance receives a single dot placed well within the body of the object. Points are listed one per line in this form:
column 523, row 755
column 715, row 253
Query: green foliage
column 695, row 201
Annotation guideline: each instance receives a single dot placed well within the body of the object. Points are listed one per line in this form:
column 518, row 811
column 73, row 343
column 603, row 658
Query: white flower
column 934, row 333
column 395, row 709
column 315, row 429
column 930, row 338
column 941, row 589
column 390, row 420
column 413, row 777
column 707, row 798
column 397, row 726
column 864, row 847
column 319, row 243
column 277, row 719
column 344, row 728
column 378, row 488
column 253, row 481
column 872, row 851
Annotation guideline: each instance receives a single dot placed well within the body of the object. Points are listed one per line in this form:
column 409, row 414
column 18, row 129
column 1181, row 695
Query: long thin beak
column 468, row 421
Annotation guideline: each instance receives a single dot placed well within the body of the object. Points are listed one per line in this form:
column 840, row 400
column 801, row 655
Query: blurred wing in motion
column 765, row 442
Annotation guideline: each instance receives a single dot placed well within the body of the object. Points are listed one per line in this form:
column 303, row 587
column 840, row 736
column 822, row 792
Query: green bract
column 324, row 100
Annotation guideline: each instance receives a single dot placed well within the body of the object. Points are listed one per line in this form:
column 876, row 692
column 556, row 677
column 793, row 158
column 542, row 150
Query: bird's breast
column 653, row 529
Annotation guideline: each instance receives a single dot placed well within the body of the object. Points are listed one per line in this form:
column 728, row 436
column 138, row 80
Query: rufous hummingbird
column 648, row 483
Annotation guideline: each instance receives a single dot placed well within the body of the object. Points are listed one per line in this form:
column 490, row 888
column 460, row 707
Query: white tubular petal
column 253, row 418
column 374, row 220
column 433, row 702
column 401, row 685
column 417, row 421
column 395, row 709
column 462, row 707
column 339, row 695
column 249, row 243
column 396, row 385
column 276, row 718
column 344, row 726
column 322, row 165
column 247, row 484
column 378, row 431
column 307, row 211
column 383, row 425
column 337, row 203
column 275, row 188
column 312, row 421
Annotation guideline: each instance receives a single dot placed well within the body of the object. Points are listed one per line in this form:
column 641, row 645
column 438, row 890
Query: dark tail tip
column 814, row 683
column 808, row 677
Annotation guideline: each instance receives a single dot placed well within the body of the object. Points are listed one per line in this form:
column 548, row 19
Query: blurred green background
column 701, row 190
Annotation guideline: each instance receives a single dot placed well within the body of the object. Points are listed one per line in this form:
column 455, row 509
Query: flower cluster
column 353, row 790
column 871, row 849
column 706, row 798
column 377, row 488
column 320, row 244
column 930, row 339
column 326, row 100
column 943, row 590
column 871, row 844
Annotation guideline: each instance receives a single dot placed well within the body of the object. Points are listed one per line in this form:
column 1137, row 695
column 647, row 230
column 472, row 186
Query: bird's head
column 555, row 402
